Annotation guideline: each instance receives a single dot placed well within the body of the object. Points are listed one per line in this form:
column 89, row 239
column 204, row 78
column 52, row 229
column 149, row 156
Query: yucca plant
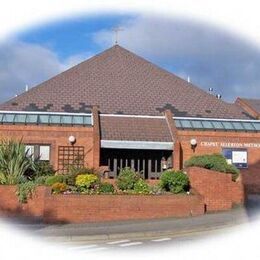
column 14, row 162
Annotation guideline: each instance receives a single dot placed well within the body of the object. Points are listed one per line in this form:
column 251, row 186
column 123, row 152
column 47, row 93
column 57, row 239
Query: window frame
column 36, row 152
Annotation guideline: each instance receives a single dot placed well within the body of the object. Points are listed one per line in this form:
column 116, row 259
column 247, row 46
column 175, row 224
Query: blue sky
column 70, row 37
column 210, row 56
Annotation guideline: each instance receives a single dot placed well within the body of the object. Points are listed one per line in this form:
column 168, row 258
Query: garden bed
column 76, row 208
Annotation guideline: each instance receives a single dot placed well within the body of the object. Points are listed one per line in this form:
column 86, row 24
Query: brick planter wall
column 218, row 189
column 94, row 208
column 10, row 205
column 214, row 189
column 97, row 208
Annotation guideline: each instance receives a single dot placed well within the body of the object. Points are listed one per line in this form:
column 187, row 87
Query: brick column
column 177, row 154
column 96, row 137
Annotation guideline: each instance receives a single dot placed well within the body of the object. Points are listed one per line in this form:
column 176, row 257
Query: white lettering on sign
column 231, row 145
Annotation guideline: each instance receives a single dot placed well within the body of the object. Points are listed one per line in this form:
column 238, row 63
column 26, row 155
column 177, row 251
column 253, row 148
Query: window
column 44, row 153
column 29, row 149
column 207, row 124
column 38, row 151
column 237, row 157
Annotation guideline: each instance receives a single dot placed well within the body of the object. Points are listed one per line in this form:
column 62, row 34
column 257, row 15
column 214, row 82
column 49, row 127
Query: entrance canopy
column 140, row 145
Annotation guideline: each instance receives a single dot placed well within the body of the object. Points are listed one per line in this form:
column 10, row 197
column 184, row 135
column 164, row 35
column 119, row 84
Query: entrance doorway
column 149, row 163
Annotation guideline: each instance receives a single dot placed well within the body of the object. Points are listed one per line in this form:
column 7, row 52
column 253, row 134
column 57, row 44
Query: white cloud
column 75, row 60
column 23, row 63
column 210, row 56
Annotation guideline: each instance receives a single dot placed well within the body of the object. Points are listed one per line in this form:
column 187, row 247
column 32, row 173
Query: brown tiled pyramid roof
column 121, row 82
column 134, row 129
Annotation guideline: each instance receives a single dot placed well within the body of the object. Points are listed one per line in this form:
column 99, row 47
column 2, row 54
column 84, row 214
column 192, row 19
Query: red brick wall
column 55, row 136
column 218, row 189
column 251, row 176
column 96, row 208
column 215, row 190
column 10, row 205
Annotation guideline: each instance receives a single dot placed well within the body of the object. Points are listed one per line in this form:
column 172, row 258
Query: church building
column 117, row 109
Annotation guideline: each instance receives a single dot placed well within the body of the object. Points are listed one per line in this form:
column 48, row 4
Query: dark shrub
column 127, row 179
column 44, row 169
column 106, row 187
column 174, row 181
column 216, row 162
column 141, row 187
column 41, row 180
column 55, row 179
column 71, row 179
column 41, row 168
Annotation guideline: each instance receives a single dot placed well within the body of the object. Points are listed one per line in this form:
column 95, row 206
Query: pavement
column 91, row 237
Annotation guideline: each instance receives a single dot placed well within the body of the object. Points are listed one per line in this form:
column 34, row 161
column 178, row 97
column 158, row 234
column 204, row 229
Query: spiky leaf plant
column 14, row 162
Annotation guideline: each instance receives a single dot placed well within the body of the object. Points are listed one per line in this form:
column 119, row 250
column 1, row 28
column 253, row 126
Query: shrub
column 41, row 180
column 25, row 190
column 106, row 187
column 75, row 171
column 59, row 187
column 14, row 162
column 174, row 181
column 86, row 181
column 55, row 179
column 127, row 179
column 41, row 168
column 215, row 162
column 156, row 189
column 141, row 187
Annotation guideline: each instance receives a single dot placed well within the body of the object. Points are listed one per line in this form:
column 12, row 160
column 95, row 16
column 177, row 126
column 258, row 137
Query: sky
column 212, row 57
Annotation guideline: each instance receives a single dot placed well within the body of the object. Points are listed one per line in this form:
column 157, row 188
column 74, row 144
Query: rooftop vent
column 218, row 96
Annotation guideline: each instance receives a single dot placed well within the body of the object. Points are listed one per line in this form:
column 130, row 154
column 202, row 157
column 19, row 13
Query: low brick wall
column 10, row 205
column 214, row 189
column 97, row 208
column 218, row 189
